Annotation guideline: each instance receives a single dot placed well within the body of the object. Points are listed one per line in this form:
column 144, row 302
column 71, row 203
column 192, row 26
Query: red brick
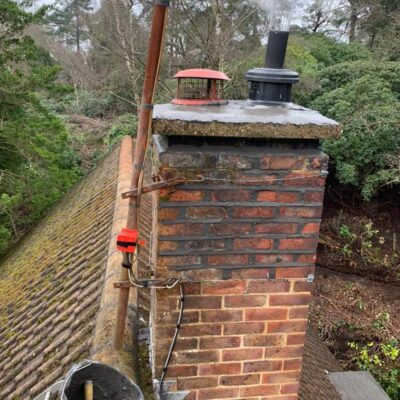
column 311, row 228
column 304, row 179
column 263, row 340
column 239, row 380
column 289, row 299
column 302, row 286
column 287, row 326
column 244, row 301
column 197, row 383
column 276, row 228
column 165, row 214
column 177, row 370
column 184, row 195
column 162, row 346
column 254, row 212
column 284, row 352
column 307, row 258
column 203, row 302
column 273, row 258
column 262, row 366
column 266, row 314
column 230, row 259
column 195, row 357
column 299, row 313
column 292, row 365
column 278, row 197
column 293, row 272
column 230, row 195
column 251, row 273
column 268, row 286
column 219, row 342
column 314, row 197
column 218, row 393
column 200, row 330
column 244, row 328
column 206, row 212
column 221, row 316
column 282, row 161
column 180, row 230
column 290, row 388
column 229, row 229
column 281, row 377
column 178, row 260
column 260, row 390
column 205, row 244
column 220, row 369
column 167, row 246
column 297, row 244
column 296, row 339
column 253, row 243
column 224, row 287
column 301, row 212
column 242, row 354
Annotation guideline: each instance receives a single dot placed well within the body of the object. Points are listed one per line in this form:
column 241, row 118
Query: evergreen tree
column 67, row 21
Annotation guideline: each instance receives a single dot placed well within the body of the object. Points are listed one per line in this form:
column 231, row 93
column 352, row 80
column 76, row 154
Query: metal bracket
column 153, row 187
column 162, row 3
column 310, row 278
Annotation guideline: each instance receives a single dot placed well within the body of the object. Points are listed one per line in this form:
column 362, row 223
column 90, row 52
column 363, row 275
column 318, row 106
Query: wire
column 173, row 343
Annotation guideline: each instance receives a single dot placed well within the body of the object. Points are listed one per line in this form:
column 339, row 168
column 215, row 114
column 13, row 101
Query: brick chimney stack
column 243, row 241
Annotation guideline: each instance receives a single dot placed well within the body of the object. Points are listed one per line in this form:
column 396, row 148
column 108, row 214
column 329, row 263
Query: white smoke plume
column 282, row 12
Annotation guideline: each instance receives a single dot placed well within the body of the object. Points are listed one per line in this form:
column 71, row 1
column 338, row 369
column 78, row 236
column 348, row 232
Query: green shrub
column 124, row 125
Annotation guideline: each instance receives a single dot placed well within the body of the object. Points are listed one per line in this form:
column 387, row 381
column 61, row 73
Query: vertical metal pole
column 158, row 26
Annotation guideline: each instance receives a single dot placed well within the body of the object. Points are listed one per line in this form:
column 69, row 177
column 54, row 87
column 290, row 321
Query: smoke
column 282, row 13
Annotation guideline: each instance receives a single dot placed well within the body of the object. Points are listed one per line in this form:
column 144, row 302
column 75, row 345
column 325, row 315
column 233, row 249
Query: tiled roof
column 50, row 287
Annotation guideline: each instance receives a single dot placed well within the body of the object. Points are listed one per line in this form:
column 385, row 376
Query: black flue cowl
column 273, row 83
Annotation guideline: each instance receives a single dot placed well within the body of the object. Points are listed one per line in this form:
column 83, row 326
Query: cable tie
column 162, row 3
column 139, row 166
column 148, row 106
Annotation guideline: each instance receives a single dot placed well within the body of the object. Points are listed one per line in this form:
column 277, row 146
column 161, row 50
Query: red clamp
column 128, row 239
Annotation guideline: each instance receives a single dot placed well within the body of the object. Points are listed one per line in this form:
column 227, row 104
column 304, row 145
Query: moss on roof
column 50, row 286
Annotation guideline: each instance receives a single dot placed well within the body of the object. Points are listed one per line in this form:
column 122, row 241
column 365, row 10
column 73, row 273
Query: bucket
column 108, row 383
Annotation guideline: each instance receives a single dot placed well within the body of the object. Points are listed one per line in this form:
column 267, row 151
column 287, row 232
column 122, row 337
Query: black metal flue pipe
column 276, row 50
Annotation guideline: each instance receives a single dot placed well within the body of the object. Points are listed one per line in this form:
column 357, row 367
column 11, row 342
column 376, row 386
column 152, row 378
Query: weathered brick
column 253, row 243
column 180, row 230
column 283, row 352
column 299, row 313
column 168, row 214
column 263, row 340
column 268, row 286
column 254, row 212
column 220, row 369
column 219, row 342
column 307, row 258
column 201, row 302
column 200, row 330
column 178, row 260
column 287, row 326
column 289, row 299
column 314, row 197
column 195, row 357
column 293, row 272
column 290, row 388
column 262, row 366
column 296, row 339
column 197, row 383
column 229, row 259
column 242, row 354
column 182, row 371
column 274, row 259
column 167, row 246
column 278, row 197
column 243, row 301
column 186, row 195
column 240, row 380
column 221, row 316
column 251, row 273
column 276, row 228
column 302, row 286
column 292, row 365
column 298, row 244
column 260, row 390
column 230, row 195
column 266, row 314
column 218, row 393
column 206, row 212
column 303, row 178
column 229, row 229
column 281, row 377
column 311, row 228
column 204, row 244
column 282, row 162
column 243, row 328
column 301, row 212
column 224, row 287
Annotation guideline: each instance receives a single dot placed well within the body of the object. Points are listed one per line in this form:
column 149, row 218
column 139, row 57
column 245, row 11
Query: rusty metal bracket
column 153, row 187
column 122, row 285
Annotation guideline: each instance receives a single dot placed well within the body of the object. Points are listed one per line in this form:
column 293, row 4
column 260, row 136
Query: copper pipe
column 158, row 26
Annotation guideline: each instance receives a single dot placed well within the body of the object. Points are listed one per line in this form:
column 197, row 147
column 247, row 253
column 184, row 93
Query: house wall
column 243, row 243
